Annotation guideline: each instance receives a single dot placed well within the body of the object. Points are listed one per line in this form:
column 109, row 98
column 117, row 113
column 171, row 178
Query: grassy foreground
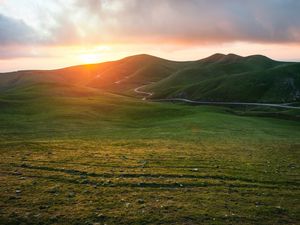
column 79, row 156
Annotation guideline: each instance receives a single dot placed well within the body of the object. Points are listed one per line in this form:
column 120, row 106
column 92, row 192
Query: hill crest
column 218, row 77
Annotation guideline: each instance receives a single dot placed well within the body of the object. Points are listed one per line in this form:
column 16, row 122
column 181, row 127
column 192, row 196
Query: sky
column 47, row 34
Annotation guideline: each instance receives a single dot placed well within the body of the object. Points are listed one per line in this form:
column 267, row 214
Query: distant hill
column 216, row 78
column 233, row 78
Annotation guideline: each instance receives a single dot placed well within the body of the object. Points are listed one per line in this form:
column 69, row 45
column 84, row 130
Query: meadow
column 73, row 155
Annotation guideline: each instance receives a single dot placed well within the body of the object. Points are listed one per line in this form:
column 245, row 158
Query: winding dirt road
column 285, row 106
column 149, row 94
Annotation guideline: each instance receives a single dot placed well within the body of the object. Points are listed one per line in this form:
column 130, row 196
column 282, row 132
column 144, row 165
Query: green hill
column 233, row 78
column 216, row 78
column 75, row 154
column 137, row 70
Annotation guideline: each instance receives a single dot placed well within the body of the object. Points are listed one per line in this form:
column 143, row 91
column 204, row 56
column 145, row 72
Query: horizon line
column 146, row 54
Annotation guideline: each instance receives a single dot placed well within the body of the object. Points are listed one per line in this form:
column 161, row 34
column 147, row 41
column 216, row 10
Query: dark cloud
column 197, row 20
column 14, row 32
column 134, row 21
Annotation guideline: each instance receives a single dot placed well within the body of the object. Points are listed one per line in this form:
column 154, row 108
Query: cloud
column 201, row 21
column 11, row 52
column 13, row 31
column 195, row 22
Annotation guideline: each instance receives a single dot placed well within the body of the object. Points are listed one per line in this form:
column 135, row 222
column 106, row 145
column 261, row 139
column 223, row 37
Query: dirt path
column 149, row 94
column 122, row 80
column 285, row 105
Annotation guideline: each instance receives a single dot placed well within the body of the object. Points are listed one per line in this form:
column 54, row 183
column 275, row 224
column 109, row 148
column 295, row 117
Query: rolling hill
column 67, row 138
column 233, row 78
column 216, row 78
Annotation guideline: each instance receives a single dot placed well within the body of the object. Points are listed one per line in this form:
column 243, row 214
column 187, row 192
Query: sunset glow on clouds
column 56, row 33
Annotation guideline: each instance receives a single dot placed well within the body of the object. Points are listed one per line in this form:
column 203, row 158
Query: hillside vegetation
column 78, row 155
column 216, row 78
column 79, row 146
column 233, row 78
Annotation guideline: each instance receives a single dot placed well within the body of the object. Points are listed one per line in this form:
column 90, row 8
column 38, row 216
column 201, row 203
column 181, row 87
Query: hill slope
column 232, row 78
column 227, row 78
column 133, row 70
column 216, row 78
column 121, row 160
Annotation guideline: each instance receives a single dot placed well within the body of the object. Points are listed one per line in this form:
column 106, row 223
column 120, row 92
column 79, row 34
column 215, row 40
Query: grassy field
column 73, row 155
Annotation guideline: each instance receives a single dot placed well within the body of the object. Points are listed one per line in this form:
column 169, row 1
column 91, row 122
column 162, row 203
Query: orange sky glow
column 61, row 33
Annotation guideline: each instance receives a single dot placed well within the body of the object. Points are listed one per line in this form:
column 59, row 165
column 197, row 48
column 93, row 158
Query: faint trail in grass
column 162, row 176
column 173, row 185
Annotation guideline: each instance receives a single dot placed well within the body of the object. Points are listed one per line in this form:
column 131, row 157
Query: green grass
column 72, row 155
column 216, row 78
column 233, row 78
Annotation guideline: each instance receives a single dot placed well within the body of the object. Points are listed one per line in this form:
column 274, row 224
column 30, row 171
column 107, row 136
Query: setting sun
column 90, row 58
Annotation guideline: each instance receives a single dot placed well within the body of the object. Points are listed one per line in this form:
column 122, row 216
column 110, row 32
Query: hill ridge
column 219, row 77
